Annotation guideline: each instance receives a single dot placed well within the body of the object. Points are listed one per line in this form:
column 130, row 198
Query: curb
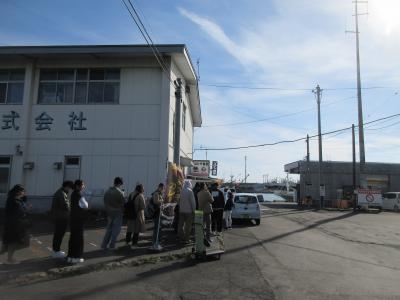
column 57, row 273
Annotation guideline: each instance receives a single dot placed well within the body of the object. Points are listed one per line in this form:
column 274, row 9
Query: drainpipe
column 178, row 109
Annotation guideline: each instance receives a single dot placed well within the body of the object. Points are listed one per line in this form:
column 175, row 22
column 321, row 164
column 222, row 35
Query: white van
column 391, row 201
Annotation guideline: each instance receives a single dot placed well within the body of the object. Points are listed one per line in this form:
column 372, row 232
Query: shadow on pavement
column 283, row 235
column 93, row 258
column 131, row 280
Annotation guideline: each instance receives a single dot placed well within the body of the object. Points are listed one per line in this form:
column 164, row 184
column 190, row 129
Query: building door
column 5, row 171
column 72, row 169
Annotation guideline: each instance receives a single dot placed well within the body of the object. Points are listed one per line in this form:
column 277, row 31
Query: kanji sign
column 201, row 168
column 214, row 168
column 43, row 121
column 9, row 121
column 76, row 121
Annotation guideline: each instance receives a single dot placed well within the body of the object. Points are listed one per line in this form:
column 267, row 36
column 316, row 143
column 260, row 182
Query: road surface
column 293, row 254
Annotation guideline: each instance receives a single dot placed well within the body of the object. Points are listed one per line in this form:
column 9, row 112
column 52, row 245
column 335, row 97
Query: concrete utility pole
column 318, row 92
column 354, row 166
column 178, row 108
column 245, row 169
column 360, row 112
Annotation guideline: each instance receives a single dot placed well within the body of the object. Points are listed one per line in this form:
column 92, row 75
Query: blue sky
column 291, row 44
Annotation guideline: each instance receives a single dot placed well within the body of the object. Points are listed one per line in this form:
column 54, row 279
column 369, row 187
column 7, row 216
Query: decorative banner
column 174, row 183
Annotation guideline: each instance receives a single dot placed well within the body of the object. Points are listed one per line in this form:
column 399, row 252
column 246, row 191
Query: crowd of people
column 70, row 209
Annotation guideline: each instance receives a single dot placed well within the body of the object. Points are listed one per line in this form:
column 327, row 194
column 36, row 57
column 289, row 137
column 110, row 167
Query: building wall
column 123, row 139
column 337, row 175
column 187, row 133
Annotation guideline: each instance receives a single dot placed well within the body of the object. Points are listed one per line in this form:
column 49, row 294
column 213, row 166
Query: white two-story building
column 94, row 112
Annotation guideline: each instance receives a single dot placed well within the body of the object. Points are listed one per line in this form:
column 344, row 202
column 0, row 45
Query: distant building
column 337, row 176
column 93, row 112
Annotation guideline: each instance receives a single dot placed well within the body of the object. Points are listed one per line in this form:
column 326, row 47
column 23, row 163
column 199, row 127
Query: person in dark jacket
column 78, row 217
column 16, row 223
column 60, row 210
column 229, row 205
column 196, row 190
column 114, row 201
column 218, row 207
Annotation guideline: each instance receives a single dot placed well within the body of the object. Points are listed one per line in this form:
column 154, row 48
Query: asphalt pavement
column 293, row 254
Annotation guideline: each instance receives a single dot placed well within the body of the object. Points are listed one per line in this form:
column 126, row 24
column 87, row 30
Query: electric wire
column 147, row 37
column 247, row 87
column 295, row 140
column 275, row 117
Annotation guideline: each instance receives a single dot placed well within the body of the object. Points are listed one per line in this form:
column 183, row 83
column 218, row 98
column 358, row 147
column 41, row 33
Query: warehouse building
column 94, row 112
column 337, row 178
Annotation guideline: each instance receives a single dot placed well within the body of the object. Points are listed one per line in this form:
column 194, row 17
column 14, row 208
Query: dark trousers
column 75, row 247
column 60, row 227
column 216, row 219
column 132, row 237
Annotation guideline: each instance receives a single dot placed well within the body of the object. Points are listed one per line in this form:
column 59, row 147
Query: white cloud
column 303, row 43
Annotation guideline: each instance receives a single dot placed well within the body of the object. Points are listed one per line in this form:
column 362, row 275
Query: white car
column 246, row 207
column 391, row 201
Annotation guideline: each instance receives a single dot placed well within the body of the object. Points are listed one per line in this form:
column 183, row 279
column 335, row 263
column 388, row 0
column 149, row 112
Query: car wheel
column 396, row 208
column 257, row 222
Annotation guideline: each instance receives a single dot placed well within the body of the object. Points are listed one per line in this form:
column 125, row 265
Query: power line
column 295, row 140
column 274, row 117
column 384, row 127
column 247, row 87
column 147, row 37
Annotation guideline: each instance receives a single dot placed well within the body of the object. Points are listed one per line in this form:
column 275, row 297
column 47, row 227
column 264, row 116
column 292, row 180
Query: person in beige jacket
column 136, row 225
column 205, row 200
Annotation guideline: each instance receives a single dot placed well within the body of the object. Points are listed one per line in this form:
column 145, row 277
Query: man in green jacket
column 114, row 205
column 60, row 210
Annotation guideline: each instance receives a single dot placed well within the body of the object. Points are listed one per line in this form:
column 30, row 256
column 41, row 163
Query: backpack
column 151, row 208
column 129, row 209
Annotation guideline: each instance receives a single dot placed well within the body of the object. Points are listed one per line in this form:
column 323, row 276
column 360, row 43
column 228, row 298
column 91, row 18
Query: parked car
column 260, row 198
column 391, row 201
column 247, row 207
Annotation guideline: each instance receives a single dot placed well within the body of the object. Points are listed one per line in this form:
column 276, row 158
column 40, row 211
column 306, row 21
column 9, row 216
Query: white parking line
column 94, row 245
column 39, row 242
column 48, row 248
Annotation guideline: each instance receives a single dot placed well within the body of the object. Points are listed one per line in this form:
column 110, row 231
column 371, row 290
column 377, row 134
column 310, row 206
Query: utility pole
column 354, row 166
column 359, row 98
column 245, row 169
column 318, row 92
column 178, row 102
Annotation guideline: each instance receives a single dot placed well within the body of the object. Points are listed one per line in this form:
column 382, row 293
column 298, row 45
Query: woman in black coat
column 78, row 217
column 16, row 224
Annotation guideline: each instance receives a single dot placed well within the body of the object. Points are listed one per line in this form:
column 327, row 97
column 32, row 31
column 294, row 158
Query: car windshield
column 245, row 199
column 389, row 196
column 260, row 198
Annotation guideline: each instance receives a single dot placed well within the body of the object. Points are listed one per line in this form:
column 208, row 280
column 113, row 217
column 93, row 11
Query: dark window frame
column 9, row 81
column 82, row 82
column 3, row 165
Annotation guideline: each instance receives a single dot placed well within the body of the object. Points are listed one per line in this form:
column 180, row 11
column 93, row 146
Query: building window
column 12, row 86
column 5, row 170
column 184, row 117
column 79, row 86
column 72, row 170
